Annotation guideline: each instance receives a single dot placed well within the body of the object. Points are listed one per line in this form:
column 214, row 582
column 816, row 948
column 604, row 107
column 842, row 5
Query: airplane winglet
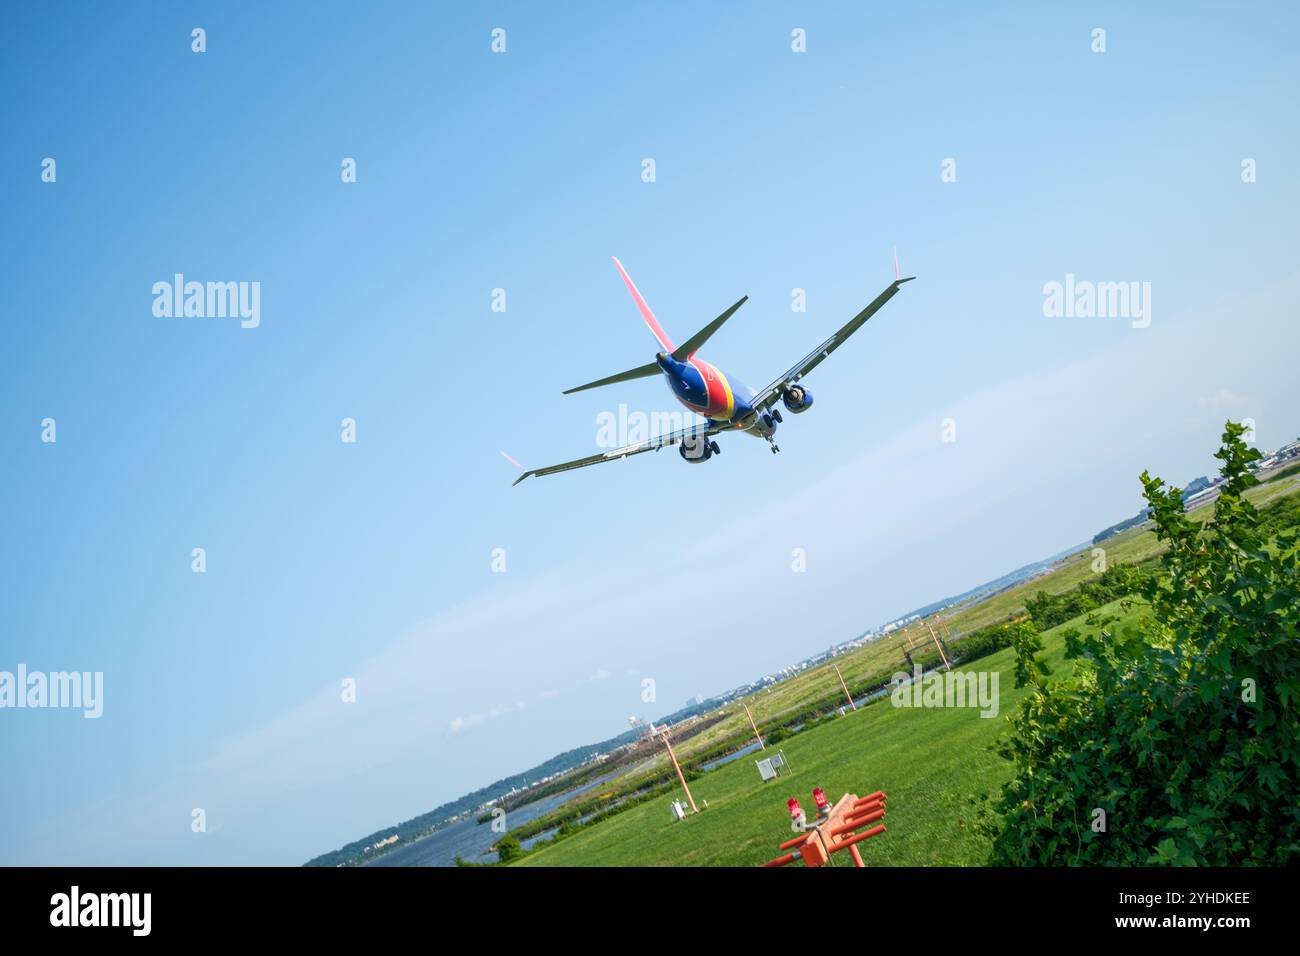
column 898, row 273
column 525, row 471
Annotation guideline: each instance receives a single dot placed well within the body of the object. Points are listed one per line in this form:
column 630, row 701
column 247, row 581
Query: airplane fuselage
column 706, row 390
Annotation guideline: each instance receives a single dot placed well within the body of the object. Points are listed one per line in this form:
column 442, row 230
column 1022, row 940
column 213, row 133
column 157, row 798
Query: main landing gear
column 770, row 421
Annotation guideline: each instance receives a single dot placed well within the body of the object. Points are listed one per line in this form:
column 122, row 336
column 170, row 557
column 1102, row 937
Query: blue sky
column 372, row 561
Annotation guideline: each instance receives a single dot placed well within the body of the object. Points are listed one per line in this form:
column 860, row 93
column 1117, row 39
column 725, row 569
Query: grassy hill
column 931, row 762
column 782, row 701
column 818, row 687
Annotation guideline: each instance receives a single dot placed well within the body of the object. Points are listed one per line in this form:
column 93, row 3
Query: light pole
column 845, row 686
column 757, row 735
column 942, row 656
column 680, row 776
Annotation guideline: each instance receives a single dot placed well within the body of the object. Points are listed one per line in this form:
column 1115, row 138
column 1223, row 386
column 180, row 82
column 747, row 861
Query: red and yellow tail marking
column 722, row 402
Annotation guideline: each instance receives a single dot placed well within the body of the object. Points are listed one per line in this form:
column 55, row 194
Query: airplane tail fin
column 680, row 353
column 644, row 309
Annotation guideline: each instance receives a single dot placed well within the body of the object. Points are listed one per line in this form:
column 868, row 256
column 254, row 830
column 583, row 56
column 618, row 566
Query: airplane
column 725, row 402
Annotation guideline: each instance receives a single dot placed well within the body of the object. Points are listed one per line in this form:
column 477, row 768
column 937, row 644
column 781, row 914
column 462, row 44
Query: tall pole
column 757, row 735
column 680, row 775
column 943, row 627
column 943, row 657
column 845, row 686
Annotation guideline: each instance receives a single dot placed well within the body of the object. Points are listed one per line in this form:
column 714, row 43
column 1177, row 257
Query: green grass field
column 772, row 705
column 930, row 762
column 954, row 742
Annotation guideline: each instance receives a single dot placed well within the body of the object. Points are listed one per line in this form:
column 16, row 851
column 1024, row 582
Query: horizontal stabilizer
column 642, row 371
column 696, row 341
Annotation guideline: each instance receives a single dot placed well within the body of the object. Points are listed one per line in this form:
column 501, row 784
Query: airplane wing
column 769, row 395
column 699, row 430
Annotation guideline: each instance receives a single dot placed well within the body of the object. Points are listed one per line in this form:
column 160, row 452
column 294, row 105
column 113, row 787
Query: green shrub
column 508, row 849
column 778, row 735
column 1183, row 731
column 1049, row 610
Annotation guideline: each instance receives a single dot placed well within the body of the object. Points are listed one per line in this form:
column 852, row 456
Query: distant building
column 1196, row 485
column 383, row 843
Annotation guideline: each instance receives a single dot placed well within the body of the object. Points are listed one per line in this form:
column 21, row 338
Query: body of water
column 723, row 761
column 470, row 839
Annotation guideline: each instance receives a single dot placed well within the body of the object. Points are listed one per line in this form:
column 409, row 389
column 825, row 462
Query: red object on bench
column 836, row 831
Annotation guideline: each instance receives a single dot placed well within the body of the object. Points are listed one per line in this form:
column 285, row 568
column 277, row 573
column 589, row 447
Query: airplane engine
column 797, row 399
column 696, row 450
